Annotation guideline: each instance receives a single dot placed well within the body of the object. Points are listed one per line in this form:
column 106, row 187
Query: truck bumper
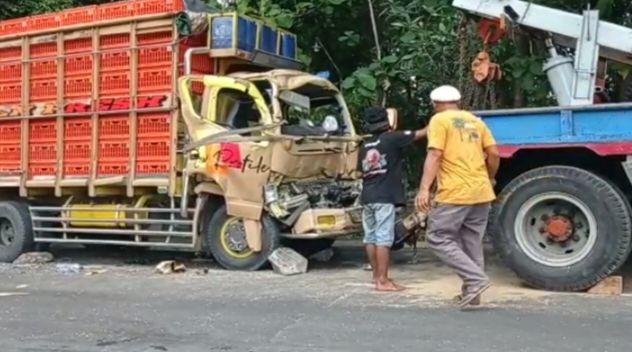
column 327, row 223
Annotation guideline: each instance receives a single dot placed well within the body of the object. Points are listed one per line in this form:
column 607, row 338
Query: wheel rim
column 7, row 233
column 555, row 229
column 233, row 239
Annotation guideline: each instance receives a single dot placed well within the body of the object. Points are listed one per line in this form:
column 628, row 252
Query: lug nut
column 576, row 238
column 579, row 225
column 544, row 217
column 542, row 230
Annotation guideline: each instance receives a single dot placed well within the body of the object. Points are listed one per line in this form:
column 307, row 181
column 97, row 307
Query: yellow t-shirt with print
column 463, row 178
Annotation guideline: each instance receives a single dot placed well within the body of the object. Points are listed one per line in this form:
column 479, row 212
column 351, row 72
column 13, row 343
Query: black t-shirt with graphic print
column 381, row 163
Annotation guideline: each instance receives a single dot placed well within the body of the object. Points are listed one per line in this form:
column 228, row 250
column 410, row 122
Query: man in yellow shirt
column 463, row 158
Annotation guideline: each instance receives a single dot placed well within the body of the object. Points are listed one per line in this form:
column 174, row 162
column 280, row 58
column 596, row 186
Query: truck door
column 238, row 162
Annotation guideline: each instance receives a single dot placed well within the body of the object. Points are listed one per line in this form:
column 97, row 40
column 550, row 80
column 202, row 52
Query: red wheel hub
column 559, row 228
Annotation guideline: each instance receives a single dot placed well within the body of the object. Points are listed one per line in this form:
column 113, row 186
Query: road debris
column 323, row 256
column 91, row 271
column 34, row 258
column 286, row 261
column 68, row 268
column 170, row 267
column 19, row 287
column 610, row 286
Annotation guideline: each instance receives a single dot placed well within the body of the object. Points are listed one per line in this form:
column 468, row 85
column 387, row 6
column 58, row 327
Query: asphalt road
column 129, row 308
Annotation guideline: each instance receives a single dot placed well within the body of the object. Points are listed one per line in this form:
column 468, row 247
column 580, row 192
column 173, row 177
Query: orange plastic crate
column 15, row 26
column 42, row 169
column 153, row 149
column 115, row 150
column 114, row 127
column 10, row 132
column 112, row 168
column 10, row 153
column 115, row 10
column 155, row 57
column 152, row 125
column 13, row 53
column 154, row 38
column 43, row 69
column 78, row 87
column 42, row 22
column 42, row 152
column 43, row 90
column 78, row 129
column 78, row 65
column 150, row 7
column 10, row 92
column 154, row 80
column 76, row 152
column 80, row 15
column 43, row 130
column 79, row 45
column 41, row 50
column 152, row 167
column 10, row 168
column 114, row 41
column 115, row 61
column 115, row 83
column 10, row 72
column 77, row 169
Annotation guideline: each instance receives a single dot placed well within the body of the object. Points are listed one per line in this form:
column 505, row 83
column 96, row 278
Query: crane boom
column 615, row 41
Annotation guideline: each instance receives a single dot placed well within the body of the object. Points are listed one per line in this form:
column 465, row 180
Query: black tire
column 611, row 212
column 16, row 216
column 270, row 242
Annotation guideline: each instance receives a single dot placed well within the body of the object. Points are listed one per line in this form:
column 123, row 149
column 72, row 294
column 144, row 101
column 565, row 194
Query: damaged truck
column 158, row 123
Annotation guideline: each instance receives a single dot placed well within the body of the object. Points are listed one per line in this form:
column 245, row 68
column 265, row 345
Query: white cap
column 445, row 94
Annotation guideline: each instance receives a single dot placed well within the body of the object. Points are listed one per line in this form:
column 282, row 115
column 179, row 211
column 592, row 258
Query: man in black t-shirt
column 381, row 163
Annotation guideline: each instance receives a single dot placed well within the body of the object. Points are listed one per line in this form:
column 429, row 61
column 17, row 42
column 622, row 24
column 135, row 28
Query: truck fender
column 253, row 234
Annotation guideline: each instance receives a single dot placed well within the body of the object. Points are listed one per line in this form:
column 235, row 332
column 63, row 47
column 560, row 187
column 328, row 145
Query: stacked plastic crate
column 10, row 97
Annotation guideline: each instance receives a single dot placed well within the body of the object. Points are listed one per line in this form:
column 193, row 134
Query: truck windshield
column 313, row 111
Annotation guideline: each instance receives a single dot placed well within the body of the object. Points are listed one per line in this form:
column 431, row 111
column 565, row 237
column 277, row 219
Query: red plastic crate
column 114, row 83
column 112, row 168
column 10, row 153
column 10, row 72
column 10, row 168
column 43, row 69
column 42, row 22
column 154, row 80
column 78, row 87
column 42, row 152
column 78, row 129
column 78, row 65
column 77, row 169
column 76, row 152
column 115, row 10
column 154, row 38
column 114, row 127
column 10, row 92
column 152, row 125
column 41, row 50
column 114, row 150
column 155, row 57
column 115, row 61
column 153, row 149
column 150, row 7
column 41, row 169
column 10, row 132
column 13, row 53
column 15, row 26
column 114, row 41
column 79, row 45
column 152, row 167
column 43, row 89
column 43, row 130
column 79, row 15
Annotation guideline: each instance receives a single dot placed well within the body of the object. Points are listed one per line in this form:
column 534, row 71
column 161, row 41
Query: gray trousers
column 455, row 234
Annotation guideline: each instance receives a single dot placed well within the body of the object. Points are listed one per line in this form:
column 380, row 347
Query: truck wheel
column 561, row 228
column 226, row 240
column 16, row 231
